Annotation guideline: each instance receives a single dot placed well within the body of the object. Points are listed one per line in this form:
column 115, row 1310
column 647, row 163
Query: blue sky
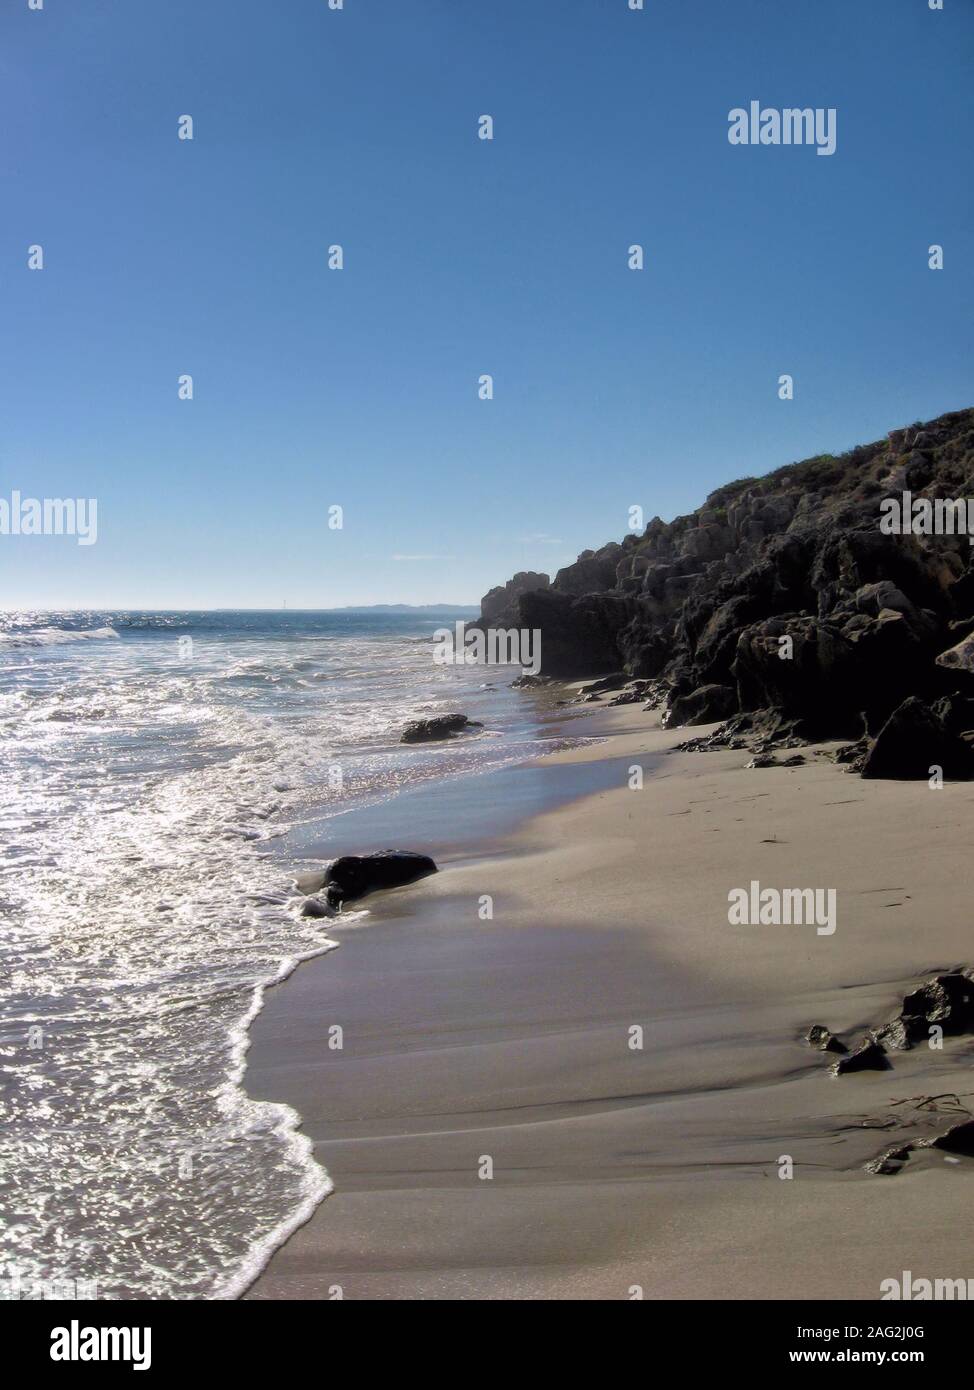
column 359, row 387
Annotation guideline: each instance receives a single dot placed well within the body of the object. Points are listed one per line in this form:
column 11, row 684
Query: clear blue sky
column 462, row 257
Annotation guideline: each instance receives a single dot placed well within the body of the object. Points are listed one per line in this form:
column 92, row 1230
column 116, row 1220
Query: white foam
column 55, row 636
column 148, row 913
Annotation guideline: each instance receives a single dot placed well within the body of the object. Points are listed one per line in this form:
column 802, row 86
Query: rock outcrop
column 497, row 606
column 578, row 635
column 784, row 591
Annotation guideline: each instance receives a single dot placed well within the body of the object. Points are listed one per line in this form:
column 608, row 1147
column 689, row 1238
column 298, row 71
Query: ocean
column 163, row 775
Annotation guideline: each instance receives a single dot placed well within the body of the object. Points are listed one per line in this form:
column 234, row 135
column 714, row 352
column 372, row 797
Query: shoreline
column 615, row 1168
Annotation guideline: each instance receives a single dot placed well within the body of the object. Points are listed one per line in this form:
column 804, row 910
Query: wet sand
column 619, row 1170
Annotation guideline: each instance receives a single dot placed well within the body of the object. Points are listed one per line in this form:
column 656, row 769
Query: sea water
column 154, row 769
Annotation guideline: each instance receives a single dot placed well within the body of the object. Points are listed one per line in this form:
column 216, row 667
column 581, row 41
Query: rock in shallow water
column 530, row 682
column 352, row 876
column 440, row 726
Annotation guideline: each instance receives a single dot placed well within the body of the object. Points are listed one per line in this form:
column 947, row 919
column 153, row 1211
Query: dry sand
column 616, row 1169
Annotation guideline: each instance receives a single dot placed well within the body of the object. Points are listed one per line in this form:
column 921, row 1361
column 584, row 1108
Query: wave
column 153, row 811
column 53, row 636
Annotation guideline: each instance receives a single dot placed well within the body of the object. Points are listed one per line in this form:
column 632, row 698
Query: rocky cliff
column 782, row 593
column 497, row 605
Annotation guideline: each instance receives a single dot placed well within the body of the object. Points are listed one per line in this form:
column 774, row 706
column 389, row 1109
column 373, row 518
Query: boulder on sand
column 705, row 705
column 354, row 875
column 614, row 682
column 868, row 1056
column 890, row 1161
column 823, row 1040
column 959, row 1139
column 440, row 726
column 912, row 741
column 946, row 1001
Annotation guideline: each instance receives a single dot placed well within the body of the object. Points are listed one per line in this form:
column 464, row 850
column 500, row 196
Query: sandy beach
column 506, row 1045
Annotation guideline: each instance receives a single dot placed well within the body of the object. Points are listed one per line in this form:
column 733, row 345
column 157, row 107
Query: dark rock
column 894, row 1035
column 784, row 590
column 352, row 876
column 890, row 1161
column 530, row 682
column 614, row 682
column 946, row 1000
column 959, row 1139
column 912, row 741
column 841, row 665
column 497, row 606
column 762, row 731
column 591, row 573
column 868, row 1056
column 627, row 697
column 440, row 726
column 579, row 636
column 658, row 693
column 705, row 705
column 959, row 657
column 956, row 713
column 852, row 753
column 819, row 1037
